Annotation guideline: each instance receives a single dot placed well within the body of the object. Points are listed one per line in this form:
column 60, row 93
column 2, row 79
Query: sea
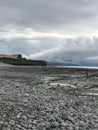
column 84, row 67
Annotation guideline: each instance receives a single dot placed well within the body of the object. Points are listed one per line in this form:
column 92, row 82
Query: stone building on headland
column 14, row 56
column 17, row 59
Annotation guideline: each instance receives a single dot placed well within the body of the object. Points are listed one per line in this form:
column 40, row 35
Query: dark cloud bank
column 52, row 30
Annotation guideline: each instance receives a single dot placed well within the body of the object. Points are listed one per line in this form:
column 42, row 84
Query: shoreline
column 48, row 98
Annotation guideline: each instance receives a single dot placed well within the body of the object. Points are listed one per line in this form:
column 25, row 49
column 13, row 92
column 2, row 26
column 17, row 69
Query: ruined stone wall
column 15, row 56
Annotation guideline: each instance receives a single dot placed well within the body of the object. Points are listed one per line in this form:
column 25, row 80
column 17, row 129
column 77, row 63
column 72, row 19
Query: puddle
column 62, row 85
column 92, row 94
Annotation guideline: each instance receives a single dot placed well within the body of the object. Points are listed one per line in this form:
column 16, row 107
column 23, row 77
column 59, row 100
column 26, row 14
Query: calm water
column 88, row 67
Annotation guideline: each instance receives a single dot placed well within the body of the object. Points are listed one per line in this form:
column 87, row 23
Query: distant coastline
column 17, row 59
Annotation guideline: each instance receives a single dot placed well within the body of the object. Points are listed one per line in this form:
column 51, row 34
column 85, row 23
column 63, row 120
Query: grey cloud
column 27, row 46
column 16, row 46
column 69, row 50
column 72, row 17
column 46, row 14
column 73, row 50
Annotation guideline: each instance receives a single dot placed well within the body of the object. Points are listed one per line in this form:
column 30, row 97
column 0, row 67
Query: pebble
column 64, row 116
column 12, row 122
column 24, row 117
column 19, row 115
column 57, row 110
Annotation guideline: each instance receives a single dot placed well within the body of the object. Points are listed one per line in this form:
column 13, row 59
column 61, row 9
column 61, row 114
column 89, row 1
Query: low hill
column 17, row 59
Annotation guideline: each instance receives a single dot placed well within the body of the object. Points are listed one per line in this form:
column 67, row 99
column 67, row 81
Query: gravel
column 28, row 102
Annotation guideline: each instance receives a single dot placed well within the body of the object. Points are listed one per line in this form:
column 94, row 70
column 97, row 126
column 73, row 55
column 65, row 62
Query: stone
column 24, row 117
column 82, row 123
column 12, row 122
column 54, row 124
column 64, row 124
column 52, row 119
column 19, row 115
column 48, row 128
column 64, row 116
column 77, row 128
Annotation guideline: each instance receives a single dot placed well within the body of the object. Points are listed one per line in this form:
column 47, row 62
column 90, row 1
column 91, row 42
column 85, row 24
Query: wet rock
column 52, row 119
column 12, row 122
column 24, row 117
column 64, row 116
column 19, row 115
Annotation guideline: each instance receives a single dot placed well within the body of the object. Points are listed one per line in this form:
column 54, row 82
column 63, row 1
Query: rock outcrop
column 14, row 56
column 17, row 59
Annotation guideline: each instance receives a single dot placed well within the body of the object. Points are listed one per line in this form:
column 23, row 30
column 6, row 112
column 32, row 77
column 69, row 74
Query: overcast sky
column 53, row 30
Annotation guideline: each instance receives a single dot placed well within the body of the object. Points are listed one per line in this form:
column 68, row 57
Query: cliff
column 18, row 60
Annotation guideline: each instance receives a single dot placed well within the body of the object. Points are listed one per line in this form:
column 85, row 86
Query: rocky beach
column 48, row 98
